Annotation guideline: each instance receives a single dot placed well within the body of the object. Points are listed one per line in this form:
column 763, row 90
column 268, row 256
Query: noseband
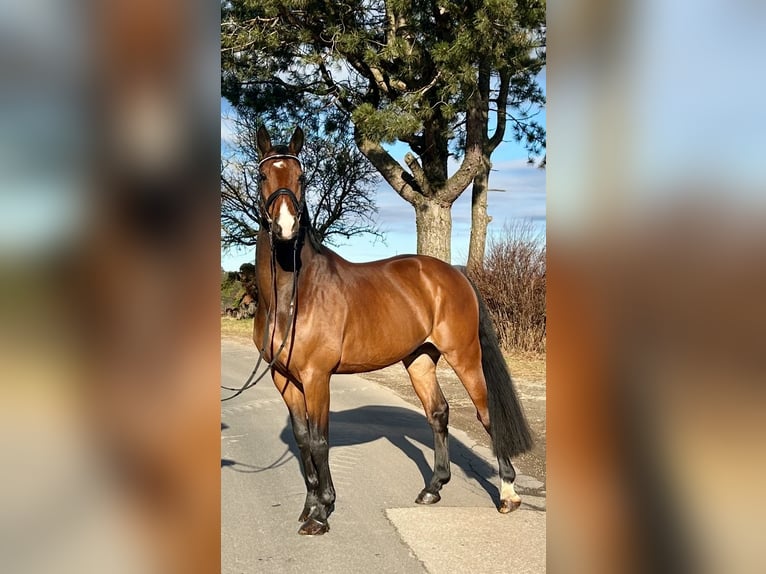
column 298, row 205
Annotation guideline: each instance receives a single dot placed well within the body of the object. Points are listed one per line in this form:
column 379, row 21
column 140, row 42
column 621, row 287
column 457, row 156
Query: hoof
column 313, row 527
column 426, row 497
column 309, row 509
column 507, row 506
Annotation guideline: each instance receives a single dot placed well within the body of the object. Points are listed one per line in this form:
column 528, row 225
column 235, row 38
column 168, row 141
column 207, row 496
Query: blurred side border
column 109, row 262
column 656, row 316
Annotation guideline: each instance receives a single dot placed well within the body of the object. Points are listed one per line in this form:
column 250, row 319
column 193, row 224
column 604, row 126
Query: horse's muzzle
column 285, row 223
column 285, row 227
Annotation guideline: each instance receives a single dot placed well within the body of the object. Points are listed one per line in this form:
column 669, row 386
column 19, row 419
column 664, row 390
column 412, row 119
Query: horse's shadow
column 401, row 427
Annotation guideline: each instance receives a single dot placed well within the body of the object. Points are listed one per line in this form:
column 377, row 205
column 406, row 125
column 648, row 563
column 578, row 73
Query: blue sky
column 523, row 199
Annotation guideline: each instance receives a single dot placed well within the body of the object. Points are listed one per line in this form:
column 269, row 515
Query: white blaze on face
column 285, row 220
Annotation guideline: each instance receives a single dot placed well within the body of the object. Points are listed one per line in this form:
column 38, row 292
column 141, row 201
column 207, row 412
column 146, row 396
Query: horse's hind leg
column 421, row 367
column 509, row 500
column 467, row 366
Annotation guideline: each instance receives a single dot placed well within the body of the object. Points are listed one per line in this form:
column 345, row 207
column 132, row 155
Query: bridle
column 266, row 221
column 265, row 205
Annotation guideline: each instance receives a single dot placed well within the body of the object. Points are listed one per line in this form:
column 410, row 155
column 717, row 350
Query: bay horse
column 334, row 316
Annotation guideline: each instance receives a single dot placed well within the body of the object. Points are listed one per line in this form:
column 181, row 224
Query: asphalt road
column 380, row 456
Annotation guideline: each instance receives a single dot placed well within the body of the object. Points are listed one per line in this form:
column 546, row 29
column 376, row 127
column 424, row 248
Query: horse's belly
column 378, row 348
column 346, row 368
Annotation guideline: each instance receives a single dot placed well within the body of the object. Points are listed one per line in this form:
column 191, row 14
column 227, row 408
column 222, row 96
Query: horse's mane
column 311, row 233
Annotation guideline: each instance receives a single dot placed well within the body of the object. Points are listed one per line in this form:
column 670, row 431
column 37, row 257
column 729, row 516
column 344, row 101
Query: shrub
column 231, row 289
column 512, row 282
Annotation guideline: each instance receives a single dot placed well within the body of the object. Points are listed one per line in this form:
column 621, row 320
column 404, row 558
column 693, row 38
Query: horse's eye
column 261, row 177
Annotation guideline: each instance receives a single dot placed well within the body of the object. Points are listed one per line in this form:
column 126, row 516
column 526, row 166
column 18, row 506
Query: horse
column 319, row 314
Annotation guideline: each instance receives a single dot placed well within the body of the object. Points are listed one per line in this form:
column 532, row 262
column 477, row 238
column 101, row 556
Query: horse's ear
column 296, row 142
column 263, row 140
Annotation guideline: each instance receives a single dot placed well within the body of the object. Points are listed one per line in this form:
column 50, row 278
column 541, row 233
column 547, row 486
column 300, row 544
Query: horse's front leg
column 296, row 404
column 316, row 387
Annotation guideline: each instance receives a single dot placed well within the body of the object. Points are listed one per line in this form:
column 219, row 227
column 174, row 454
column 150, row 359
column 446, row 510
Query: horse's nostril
column 286, row 230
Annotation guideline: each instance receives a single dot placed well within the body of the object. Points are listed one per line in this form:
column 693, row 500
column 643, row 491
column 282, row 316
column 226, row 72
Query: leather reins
column 266, row 220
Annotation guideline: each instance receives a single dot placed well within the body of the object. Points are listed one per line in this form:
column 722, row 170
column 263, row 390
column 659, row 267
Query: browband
column 280, row 156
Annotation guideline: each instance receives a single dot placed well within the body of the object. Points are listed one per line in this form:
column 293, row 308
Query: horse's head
column 281, row 184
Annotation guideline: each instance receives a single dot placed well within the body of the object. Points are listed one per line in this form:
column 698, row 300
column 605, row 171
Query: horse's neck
column 287, row 260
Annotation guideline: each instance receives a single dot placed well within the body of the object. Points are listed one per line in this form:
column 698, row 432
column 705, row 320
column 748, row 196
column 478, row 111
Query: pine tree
column 429, row 73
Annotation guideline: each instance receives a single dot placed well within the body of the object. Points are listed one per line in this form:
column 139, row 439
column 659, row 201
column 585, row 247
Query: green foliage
column 390, row 66
column 434, row 74
column 385, row 125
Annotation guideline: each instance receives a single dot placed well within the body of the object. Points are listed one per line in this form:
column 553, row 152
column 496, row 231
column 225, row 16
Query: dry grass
column 526, row 365
column 239, row 329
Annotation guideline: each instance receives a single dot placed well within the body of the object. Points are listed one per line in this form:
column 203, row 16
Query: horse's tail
column 509, row 429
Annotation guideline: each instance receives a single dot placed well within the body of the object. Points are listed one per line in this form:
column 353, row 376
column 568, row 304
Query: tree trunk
column 434, row 228
column 479, row 220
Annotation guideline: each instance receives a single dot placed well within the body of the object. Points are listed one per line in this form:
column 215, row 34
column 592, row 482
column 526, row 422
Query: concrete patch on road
column 448, row 540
